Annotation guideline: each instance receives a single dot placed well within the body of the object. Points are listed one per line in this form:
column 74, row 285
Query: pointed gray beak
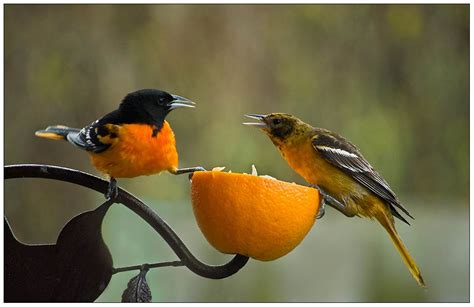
column 260, row 118
column 181, row 102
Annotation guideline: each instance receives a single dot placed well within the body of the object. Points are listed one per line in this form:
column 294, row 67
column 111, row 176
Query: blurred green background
column 394, row 79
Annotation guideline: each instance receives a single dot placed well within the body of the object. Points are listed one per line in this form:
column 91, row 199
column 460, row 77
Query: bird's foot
column 112, row 190
column 333, row 202
column 189, row 170
column 322, row 209
column 322, row 202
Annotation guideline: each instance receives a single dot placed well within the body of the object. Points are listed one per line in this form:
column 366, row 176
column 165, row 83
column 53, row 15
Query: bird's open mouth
column 181, row 102
column 260, row 124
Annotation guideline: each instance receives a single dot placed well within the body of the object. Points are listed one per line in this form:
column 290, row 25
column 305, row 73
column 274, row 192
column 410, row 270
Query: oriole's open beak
column 260, row 118
column 181, row 102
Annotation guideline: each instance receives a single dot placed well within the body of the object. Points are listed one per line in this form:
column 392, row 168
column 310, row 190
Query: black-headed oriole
column 133, row 140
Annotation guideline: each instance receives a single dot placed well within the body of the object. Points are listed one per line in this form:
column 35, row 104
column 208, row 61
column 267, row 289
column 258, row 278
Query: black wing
column 89, row 137
column 345, row 156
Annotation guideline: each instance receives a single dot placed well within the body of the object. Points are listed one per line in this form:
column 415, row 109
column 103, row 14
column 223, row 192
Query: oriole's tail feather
column 55, row 132
column 397, row 241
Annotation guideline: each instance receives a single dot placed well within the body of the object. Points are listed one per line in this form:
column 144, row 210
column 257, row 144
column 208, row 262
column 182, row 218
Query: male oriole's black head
column 149, row 106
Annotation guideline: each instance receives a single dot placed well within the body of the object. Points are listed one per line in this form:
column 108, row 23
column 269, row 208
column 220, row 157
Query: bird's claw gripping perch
column 331, row 201
column 322, row 209
column 112, row 190
column 322, row 202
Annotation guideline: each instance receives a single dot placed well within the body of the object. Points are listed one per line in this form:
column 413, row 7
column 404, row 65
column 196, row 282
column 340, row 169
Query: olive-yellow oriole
column 344, row 177
column 133, row 140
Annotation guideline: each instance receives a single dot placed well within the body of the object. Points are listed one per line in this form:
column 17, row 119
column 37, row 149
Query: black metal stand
column 138, row 207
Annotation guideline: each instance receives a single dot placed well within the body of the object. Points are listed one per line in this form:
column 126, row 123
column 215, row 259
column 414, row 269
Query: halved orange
column 254, row 216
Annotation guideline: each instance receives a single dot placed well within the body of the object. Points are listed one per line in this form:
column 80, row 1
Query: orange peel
column 255, row 216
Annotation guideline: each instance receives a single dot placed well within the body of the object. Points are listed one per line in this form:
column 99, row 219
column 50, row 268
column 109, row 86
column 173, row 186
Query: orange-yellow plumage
column 307, row 162
column 330, row 162
column 302, row 157
column 48, row 135
column 135, row 152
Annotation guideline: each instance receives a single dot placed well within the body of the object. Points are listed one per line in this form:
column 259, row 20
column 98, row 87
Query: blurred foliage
column 394, row 79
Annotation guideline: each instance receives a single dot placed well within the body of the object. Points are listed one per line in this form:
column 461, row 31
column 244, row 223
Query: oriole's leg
column 331, row 201
column 186, row 170
column 112, row 190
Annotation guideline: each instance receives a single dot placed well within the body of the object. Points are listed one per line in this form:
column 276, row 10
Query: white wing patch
column 346, row 159
column 89, row 138
column 88, row 135
column 338, row 151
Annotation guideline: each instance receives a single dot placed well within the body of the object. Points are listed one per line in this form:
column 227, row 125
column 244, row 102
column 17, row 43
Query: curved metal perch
column 137, row 206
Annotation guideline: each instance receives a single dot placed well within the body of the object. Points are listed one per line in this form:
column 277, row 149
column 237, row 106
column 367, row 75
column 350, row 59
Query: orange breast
column 310, row 165
column 135, row 152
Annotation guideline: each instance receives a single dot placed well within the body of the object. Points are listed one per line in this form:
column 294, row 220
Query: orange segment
column 254, row 216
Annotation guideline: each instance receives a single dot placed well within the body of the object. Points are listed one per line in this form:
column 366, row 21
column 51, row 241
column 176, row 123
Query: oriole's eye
column 162, row 99
column 276, row 121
